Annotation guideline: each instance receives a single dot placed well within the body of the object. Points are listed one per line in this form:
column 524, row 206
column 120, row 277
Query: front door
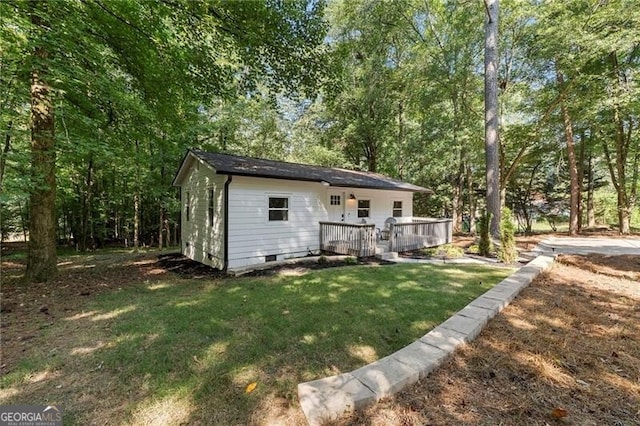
column 335, row 206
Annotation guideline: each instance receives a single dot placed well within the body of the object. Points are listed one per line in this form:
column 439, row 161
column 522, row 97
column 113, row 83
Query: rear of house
column 240, row 211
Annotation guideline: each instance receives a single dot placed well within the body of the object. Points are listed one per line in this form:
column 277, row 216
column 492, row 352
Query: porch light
column 352, row 197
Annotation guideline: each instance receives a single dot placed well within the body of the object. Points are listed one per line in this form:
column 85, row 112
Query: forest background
column 100, row 100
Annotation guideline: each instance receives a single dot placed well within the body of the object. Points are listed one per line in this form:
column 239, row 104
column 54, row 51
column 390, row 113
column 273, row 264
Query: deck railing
column 348, row 238
column 420, row 232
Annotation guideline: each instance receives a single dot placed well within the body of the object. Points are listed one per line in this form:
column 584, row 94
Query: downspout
column 226, row 222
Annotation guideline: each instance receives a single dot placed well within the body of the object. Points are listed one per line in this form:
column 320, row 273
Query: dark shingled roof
column 246, row 166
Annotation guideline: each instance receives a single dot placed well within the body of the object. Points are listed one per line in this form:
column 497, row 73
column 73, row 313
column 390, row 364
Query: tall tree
column 574, row 199
column 492, row 140
column 42, row 263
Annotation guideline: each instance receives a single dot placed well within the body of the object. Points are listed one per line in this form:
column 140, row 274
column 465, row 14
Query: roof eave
column 322, row 181
column 187, row 162
column 177, row 179
column 264, row 176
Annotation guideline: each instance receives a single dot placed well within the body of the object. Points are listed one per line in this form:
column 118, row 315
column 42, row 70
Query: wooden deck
column 360, row 239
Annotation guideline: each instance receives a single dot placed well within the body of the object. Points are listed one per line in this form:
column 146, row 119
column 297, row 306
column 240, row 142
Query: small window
column 363, row 208
column 211, row 205
column 278, row 209
column 270, row 258
column 188, row 206
column 335, row 200
column 397, row 209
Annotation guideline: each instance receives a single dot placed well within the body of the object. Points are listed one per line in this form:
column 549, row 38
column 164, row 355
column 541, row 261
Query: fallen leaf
column 250, row 387
column 559, row 413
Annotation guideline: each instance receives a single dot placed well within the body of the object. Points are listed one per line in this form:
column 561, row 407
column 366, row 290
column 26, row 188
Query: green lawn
column 189, row 348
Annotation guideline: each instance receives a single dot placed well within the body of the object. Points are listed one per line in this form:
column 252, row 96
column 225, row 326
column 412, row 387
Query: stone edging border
column 329, row 398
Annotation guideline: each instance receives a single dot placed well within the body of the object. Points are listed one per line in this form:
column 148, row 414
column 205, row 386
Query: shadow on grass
column 185, row 350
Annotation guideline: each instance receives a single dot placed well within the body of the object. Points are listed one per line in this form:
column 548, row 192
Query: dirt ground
column 27, row 310
column 566, row 352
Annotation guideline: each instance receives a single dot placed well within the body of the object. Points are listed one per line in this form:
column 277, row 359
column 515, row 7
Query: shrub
column 507, row 252
column 485, row 247
column 429, row 251
column 350, row 260
column 452, row 251
column 448, row 250
column 322, row 259
column 474, row 249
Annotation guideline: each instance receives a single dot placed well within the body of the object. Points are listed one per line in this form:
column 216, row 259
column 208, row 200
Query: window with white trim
column 363, row 208
column 278, row 209
column 397, row 209
column 211, row 205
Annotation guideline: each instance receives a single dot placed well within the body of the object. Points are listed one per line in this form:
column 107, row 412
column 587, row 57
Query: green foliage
column 507, row 253
column 485, row 246
column 135, row 84
column 606, row 210
column 350, row 260
column 447, row 250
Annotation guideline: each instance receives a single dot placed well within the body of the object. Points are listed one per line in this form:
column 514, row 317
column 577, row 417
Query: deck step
column 387, row 255
column 382, row 247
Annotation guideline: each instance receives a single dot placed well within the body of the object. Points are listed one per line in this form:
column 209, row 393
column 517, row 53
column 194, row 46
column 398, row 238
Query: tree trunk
column 624, row 213
column 623, row 141
column 574, row 201
column 591, row 215
column 492, row 141
column 86, row 208
column 472, row 199
column 580, row 166
column 136, row 201
column 176, row 236
column 136, row 220
column 41, row 259
column 5, row 151
column 24, row 221
column 456, row 198
column 400, row 151
column 161, row 228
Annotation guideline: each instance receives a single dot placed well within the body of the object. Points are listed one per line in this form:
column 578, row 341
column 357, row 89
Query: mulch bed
column 565, row 352
column 187, row 268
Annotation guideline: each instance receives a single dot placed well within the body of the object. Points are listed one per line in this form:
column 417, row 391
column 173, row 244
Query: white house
column 239, row 211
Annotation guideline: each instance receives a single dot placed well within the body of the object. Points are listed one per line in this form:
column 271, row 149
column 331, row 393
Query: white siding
column 200, row 241
column 253, row 236
column 381, row 205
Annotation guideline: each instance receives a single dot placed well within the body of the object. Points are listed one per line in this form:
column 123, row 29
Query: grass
column 186, row 350
column 543, row 226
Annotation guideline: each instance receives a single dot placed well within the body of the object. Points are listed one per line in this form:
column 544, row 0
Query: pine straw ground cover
column 565, row 352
